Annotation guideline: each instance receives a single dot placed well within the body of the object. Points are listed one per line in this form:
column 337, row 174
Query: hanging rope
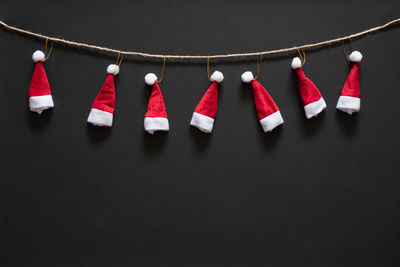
column 136, row 53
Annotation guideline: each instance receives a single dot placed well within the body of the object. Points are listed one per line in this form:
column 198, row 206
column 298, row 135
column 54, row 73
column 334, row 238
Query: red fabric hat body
column 264, row 103
column 209, row 102
column 39, row 90
column 352, row 85
column 39, row 84
column 309, row 93
column 267, row 111
column 156, row 118
column 204, row 115
column 311, row 98
column 105, row 99
column 156, row 107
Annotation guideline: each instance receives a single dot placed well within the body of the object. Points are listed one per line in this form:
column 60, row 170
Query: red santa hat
column 103, row 106
column 156, row 116
column 205, row 112
column 312, row 100
column 349, row 100
column 39, row 89
column 267, row 111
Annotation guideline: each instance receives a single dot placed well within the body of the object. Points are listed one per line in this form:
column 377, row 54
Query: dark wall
column 320, row 192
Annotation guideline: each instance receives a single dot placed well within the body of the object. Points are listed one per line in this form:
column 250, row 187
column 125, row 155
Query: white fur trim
column 314, row 108
column 247, row 77
column 202, row 122
column 113, row 69
column 355, row 56
column 40, row 103
column 150, row 78
column 38, row 56
column 271, row 121
column 100, row 117
column 217, row 76
column 152, row 125
column 349, row 104
column 296, row 63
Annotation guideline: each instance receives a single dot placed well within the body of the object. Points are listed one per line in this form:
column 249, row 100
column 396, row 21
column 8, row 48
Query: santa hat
column 39, row 89
column 349, row 100
column 205, row 112
column 267, row 111
column 103, row 106
column 156, row 116
column 312, row 100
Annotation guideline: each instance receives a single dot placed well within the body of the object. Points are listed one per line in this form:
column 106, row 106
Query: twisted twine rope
column 137, row 53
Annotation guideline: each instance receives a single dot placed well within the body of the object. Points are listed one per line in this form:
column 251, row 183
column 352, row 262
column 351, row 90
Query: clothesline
column 148, row 55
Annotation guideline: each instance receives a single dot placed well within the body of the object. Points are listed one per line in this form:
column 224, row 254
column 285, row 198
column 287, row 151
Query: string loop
column 162, row 71
column 259, row 61
column 208, row 69
column 45, row 49
column 344, row 50
column 302, row 56
column 119, row 59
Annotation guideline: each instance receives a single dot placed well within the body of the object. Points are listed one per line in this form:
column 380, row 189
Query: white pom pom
column 355, row 56
column 217, row 76
column 296, row 63
column 150, row 78
column 38, row 56
column 113, row 69
column 247, row 77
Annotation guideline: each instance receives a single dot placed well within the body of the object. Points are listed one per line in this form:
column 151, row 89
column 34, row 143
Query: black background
column 321, row 192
